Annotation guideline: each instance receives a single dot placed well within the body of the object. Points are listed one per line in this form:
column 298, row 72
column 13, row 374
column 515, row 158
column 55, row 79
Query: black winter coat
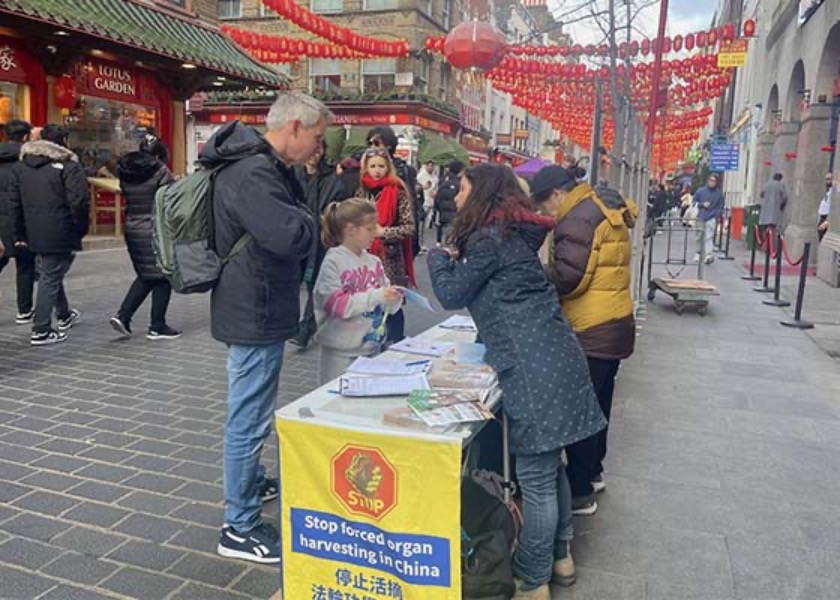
column 50, row 199
column 445, row 199
column 548, row 395
column 256, row 300
column 141, row 174
column 9, row 156
column 321, row 189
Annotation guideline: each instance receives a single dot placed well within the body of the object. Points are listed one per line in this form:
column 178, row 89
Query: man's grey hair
column 294, row 106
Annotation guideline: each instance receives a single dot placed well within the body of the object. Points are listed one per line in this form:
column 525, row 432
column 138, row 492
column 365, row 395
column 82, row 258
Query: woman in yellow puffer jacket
column 589, row 264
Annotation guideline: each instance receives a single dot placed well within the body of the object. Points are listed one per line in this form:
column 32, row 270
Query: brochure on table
column 370, row 510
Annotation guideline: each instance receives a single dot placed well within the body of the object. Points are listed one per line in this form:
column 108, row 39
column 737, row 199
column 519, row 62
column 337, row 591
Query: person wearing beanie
column 589, row 264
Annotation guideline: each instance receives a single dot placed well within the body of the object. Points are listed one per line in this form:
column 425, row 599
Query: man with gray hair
column 259, row 208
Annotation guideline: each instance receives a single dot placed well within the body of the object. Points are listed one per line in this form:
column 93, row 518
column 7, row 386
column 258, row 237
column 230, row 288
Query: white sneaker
column 696, row 258
column 709, row 259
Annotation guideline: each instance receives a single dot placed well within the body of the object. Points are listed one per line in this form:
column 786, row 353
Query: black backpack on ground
column 488, row 534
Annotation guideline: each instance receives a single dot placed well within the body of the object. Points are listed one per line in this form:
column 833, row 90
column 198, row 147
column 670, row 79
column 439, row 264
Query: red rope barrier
column 787, row 255
column 761, row 242
column 771, row 239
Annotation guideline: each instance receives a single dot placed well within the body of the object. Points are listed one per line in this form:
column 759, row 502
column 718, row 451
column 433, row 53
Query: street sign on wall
column 725, row 157
column 733, row 53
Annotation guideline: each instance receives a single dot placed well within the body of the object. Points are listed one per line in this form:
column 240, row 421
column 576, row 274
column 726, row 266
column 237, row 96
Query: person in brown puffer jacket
column 590, row 266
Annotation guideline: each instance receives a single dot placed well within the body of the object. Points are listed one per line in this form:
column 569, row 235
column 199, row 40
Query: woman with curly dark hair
column 493, row 270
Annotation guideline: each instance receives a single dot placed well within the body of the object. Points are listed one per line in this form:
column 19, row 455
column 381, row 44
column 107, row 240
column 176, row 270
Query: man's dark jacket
column 9, row 156
column 50, row 199
column 255, row 301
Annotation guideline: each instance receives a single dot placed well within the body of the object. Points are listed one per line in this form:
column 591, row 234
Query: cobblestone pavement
column 723, row 475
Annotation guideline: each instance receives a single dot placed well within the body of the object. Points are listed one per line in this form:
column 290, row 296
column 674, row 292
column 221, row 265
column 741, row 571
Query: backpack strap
column 239, row 245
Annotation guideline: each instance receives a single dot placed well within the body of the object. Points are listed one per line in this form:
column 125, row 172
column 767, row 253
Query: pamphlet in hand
column 423, row 347
column 378, row 366
column 413, row 297
column 359, row 386
column 459, row 323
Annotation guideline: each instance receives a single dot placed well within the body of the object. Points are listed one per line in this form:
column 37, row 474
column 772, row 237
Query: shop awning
column 441, row 150
column 150, row 29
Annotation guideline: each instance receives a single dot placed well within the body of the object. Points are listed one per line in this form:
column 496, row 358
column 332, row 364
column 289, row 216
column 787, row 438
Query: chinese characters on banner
column 368, row 516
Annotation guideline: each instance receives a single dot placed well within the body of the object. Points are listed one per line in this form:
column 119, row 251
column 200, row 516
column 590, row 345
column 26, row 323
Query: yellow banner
column 733, row 54
column 368, row 517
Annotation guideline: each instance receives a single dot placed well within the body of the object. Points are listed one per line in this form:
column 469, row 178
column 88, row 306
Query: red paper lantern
column 749, row 28
column 712, row 38
column 678, row 43
column 645, row 47
column 65, row 92
column 729, row 32
column 475, row 45
column 689, row 42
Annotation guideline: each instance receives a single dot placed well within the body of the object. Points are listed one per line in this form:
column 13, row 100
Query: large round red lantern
column 475, row 45
column 65, row 92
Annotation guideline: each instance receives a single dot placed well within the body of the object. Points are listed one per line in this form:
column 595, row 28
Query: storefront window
column 12, row 101
column 102, row 130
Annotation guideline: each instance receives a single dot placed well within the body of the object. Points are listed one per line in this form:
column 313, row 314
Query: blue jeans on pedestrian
column 253, row 379
column 547, row 517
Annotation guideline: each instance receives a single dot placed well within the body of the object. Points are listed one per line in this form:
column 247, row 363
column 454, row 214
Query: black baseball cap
column 548, row 179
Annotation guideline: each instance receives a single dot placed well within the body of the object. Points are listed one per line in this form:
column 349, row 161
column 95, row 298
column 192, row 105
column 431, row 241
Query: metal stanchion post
column 728, row 236
column 752, row 276
column 765, row 287
column 777, row 288
column 797, row 321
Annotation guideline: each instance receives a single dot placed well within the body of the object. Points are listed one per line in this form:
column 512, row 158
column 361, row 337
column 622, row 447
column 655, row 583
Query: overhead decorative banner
column 368, row 516
column 733, row 54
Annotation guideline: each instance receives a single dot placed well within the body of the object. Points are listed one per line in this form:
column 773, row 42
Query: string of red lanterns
column 343, row 37
column 278, row 49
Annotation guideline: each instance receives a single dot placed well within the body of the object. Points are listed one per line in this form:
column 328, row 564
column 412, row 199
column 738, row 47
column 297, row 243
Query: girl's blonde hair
column 382, row 153
column 338, row 215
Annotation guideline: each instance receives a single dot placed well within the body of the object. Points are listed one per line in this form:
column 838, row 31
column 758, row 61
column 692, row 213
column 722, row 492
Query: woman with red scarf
column 396, row 226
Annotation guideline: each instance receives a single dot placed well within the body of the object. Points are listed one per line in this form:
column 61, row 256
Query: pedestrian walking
column 382, row 185
column 255, row 306
column 774, row 199
column 50, row 205
column 141, row 173
column 493, row 270
column 321, row 186
column 17, row 133
column 353, row 296
column 445, row 198
column 589, row 264
column 710, row 205
column 824, row 208
column 428, row 181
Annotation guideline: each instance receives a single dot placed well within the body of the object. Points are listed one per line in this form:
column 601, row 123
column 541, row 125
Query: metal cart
column 687, row 293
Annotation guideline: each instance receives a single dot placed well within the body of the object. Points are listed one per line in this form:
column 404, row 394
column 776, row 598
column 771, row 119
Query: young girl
column 395, row 216
column 353, row 296
column 494, row 271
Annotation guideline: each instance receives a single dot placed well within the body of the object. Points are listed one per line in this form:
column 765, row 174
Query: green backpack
column 183, row 233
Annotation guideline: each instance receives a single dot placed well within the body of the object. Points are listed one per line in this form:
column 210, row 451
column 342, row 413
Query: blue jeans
column 547, row 517
column 253, row 379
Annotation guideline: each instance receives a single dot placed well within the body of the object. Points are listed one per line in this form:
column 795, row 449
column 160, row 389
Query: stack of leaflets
column 459, row 323
column 368, row 377
column 439, row 409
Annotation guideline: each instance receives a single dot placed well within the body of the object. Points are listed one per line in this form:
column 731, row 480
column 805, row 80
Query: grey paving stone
column 116, row 440
column 259, row 583
column 102, row 492
column 61, row 446
column 200, row 455
column 79, row 568
column 100, row 515
column 88, row 541
column 153, row 418
column 31, row 424
column 133, row 583
column 33, row 526
column 59, row 462
column 156, row 504
column 194, row 591
column 7, row 512
column 197, row 439
column 156, row 432
column 28, row 554
column 153, row 482
column 213, row 571
column 21, row 585
column 107, row 455
column 74, row 432
column 71, row 592
column 156, row 464
column 28, row 439
column 197, row 471
column 199, row 426
column 41, row 412
column 203, row 514
column 148, row 527
column 201, row 492
column 155, row 447
column 203, row 539
column 188, row 412
column 47, row 503
column 20, row 454
column 10, row 491
column 113, row 424
column 110, row 473
column 13, row 471
column 146, row 555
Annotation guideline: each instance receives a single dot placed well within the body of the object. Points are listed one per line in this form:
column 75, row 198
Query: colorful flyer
column 368, row 516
